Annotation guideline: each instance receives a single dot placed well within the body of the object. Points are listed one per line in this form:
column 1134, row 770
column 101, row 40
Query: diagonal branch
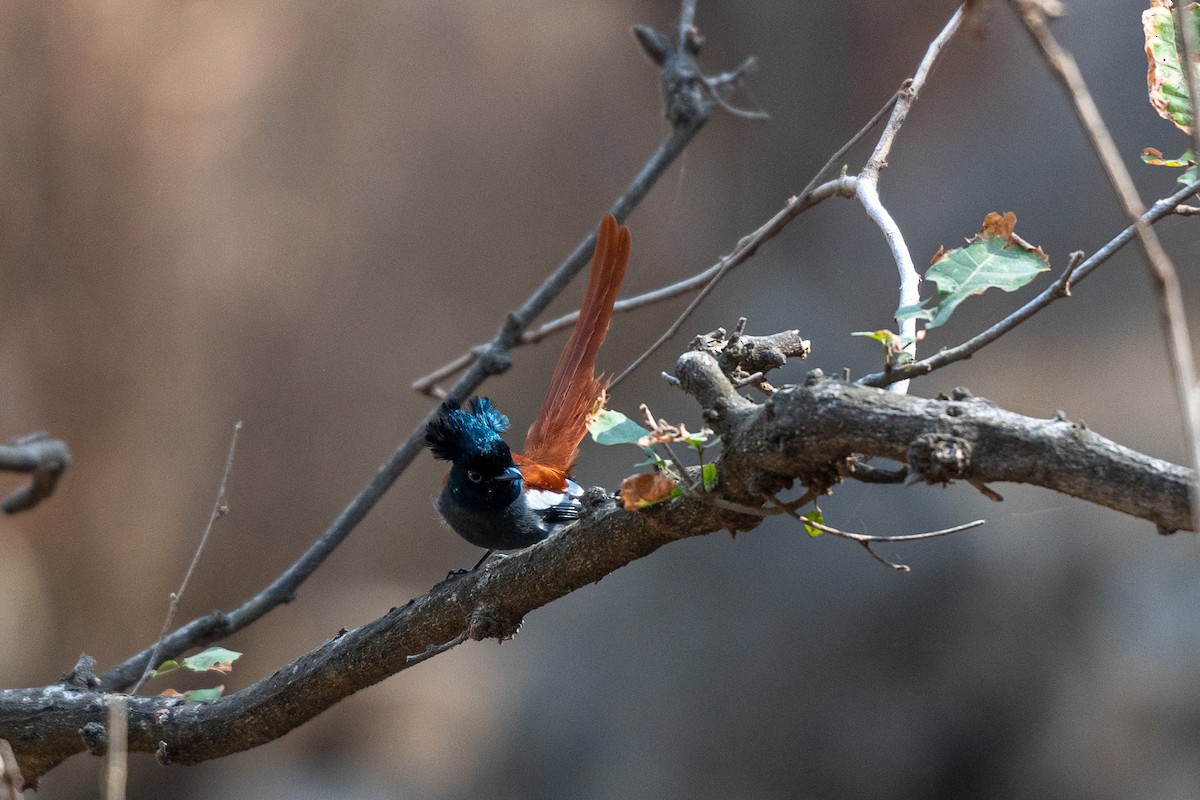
column 867, row 188
column 806, row 433
column 689, row 111
column 1163, row 277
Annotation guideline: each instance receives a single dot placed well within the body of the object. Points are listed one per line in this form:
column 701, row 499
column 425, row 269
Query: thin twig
column 858, row 137
column 283, row 589
column 1163, row 276
column 675, row 289
column 1063, row 284
column 910, row 294
column 866, row 540
column 11, row 781
column 436, row 649
column 220, row 508
column 1158, row 211
column 868, row 187
column 746, row 247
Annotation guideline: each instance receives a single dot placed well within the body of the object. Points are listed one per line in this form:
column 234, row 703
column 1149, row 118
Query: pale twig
column 1164, row 278
column 116, row 758
column 11, row 781
column 868, row 188
column 1158, row 211
column 868, row 195
column 713, row 84
column 220, row 508
column 866, row 539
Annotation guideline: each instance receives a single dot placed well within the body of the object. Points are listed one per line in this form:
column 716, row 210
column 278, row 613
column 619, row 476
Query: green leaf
column 915, row 311
column 816, row 516
column 1188, row 159
column 1155, row 158
column 613, row 427
column 708, row 476
column 993, row 258
column 214, row 658
column 1166, row 83
column 205, row 694
column 166, row 668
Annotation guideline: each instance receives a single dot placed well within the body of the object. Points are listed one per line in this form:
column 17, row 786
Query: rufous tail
column 552, row 444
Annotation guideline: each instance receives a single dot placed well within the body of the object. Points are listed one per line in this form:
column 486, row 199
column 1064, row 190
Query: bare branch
column 800, row 433
column 867, row 189
column 47, row 459
column 866, row 540
column 868, row 195
column 219, row 510
column 746, row 247
column 1163, row 276
column 908, row 96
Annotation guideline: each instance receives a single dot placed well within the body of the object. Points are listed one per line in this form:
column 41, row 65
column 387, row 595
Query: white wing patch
column 543, row 499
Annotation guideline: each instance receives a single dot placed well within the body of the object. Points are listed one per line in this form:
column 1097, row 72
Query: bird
column 500, row 500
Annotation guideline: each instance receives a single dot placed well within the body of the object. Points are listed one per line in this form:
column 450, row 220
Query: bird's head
column 482, row 471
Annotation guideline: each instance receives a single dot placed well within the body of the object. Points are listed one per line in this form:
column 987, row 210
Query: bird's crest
column 456, row 433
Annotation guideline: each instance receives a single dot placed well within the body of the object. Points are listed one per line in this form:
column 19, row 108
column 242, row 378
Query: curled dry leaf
column 639, row 491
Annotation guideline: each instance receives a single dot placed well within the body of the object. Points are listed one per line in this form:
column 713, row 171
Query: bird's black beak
column 510, row 474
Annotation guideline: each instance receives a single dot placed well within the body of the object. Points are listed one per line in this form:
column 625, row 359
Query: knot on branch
column 492, row 622
column 684, row 100
column 95, row 738
column 164, row 754
column 83, row 675
column 689, row 94
column 939, row 457
column 746, row 359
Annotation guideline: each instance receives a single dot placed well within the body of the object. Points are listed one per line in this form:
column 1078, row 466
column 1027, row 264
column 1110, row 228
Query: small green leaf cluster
column 614, row 428
column 214, row 659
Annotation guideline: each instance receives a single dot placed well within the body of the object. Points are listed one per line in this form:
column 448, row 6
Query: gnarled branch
column 807, row 433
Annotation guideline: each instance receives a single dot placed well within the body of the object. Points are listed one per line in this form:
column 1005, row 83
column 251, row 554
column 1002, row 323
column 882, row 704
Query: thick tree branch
column 808, row 433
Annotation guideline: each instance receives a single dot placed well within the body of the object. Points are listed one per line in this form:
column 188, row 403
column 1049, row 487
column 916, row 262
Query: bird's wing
column 553, row 440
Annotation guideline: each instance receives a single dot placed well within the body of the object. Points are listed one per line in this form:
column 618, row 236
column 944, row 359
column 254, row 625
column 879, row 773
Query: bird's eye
column 474, row 476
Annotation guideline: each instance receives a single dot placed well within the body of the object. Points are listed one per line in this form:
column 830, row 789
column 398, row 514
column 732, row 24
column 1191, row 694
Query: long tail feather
column 553, row 441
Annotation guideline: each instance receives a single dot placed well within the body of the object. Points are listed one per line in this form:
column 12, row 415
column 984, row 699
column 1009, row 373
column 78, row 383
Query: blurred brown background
column 284, row 212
